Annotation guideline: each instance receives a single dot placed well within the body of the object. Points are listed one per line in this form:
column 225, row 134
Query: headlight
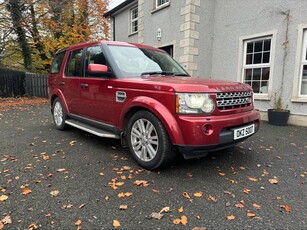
column 194, row 103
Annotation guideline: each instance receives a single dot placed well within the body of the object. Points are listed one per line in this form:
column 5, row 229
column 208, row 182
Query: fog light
column 208, row 129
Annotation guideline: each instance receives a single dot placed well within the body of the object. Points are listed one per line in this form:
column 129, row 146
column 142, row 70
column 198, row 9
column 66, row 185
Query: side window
column 94, row 55
column 74, row 64
column 57, row 62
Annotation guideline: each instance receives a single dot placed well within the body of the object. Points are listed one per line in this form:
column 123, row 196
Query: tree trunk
column 15, row 9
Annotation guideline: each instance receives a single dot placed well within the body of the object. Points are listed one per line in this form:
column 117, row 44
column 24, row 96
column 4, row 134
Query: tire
column 149, row 142
column 58, row 114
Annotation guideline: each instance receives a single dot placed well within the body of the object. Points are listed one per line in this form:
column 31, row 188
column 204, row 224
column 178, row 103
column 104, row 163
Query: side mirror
column 94, row 69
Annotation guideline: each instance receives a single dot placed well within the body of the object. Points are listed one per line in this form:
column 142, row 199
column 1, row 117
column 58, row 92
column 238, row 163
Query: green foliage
column 278, row 104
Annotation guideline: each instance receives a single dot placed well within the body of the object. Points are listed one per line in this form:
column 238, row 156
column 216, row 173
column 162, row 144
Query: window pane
column 267, row 45
column 258, row 46
column 304, row 81
column 250, row 47
column 257, row 78
column 73, row 67
column 257, row 58
column 57, row 62
column 266, row 57
column 249, row 59
column 248, row 75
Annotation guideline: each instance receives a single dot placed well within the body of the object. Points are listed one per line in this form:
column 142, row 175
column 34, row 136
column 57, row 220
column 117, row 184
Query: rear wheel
column 59, row 115
column 149, row 142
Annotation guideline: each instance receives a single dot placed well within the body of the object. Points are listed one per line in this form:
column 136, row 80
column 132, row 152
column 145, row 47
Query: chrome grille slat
column 233, row 100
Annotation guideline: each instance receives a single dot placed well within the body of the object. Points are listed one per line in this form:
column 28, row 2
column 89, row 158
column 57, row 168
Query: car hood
column 183, row 84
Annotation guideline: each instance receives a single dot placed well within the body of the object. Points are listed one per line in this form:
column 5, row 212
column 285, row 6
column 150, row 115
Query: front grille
column 233, row 100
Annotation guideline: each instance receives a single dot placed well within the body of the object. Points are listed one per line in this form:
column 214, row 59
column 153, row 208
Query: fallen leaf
column 123, row 207
column 155, row 215
column 6, row 220
column 26, row 191
column 198, row 194
column 253, row 179
column 1, row 225
column 141, row 183
column 211, row 198
column 54, row 193
column 186, row 195
column 184, row 220
column 273, row 181
column 116, row 224
column 180, row 209
column 72, row 143
column 199, row 228
column 257, row 206
column 239, row 206
column 78, row 223
column 46, row 158
column 177, row 221
column 33, row 226
column 81, row 206
column 246, row 191
column 3, row 197
column 156, row 191
column 286, row 207
column 126, row 194
column 165, row 209
column 250, row 214
column 222, row 174
column 231, row 217
column 60, row 170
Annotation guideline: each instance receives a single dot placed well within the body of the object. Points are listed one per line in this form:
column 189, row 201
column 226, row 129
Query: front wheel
column 59, row 115
column 149, row 142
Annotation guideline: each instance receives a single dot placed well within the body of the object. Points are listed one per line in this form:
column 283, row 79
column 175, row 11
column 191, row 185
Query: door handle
column 61, row 83
column 84, row 85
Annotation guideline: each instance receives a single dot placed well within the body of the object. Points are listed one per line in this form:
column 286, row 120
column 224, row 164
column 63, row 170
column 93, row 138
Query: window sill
column 299, row 99
column 261, row 97
column 160, row 7
column 129, row 35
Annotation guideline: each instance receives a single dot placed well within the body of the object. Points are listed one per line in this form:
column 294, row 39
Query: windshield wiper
column 157, row 73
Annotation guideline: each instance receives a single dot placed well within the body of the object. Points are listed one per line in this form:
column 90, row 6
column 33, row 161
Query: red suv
column 141, row 95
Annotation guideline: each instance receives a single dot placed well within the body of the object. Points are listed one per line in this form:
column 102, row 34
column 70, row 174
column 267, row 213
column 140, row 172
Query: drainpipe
column 113, row 20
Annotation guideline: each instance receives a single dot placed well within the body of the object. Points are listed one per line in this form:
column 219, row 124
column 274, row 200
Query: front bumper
column 198, row 143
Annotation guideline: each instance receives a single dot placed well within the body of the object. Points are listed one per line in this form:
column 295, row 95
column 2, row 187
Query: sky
column 114, row 3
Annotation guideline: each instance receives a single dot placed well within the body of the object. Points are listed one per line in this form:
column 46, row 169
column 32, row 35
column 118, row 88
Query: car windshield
column 134, row 61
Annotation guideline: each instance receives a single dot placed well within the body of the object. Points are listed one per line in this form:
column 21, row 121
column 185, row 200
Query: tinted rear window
column 57, row 62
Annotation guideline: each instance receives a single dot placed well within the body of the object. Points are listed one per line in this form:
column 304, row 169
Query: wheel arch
column 159, row 110
column 59, row 94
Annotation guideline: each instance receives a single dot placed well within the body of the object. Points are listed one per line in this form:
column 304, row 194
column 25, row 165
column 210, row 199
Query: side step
column 90, row 129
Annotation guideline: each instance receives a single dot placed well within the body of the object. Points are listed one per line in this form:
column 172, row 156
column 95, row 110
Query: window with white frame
column 257, row 63
column 160, row 3
column 134, row 20
column 303, row 68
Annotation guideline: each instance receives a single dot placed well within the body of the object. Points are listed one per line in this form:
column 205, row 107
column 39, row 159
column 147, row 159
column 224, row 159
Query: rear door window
column 57, row 62
column 74, row 64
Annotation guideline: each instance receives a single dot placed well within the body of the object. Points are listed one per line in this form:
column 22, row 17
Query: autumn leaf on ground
column 250, row 214
column 211, row 198
column 198, row 194
column 78, row 223
column 156, row 215
column 180, row 209
column 1, row 225
column 143, row 183
column 165, row 209
column 257, row 206
column 60, row 170
column 72, row 143
column 246, row 191
column 231, row 217
column 273, row 181
column 26, row 191
column 54, row 193
column 116, row 224
column 46, row 158
column 186, row 195
column 239, row 206
column 3, row 197
column 286, row 207
column 156, row 191
column 33, row 226
column 253, row 179
column 126, row 194
column 6, row 220
column 123, row 207
column 183, row 220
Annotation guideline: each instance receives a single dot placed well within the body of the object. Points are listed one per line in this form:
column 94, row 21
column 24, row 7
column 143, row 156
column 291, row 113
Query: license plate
column 244, row 131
